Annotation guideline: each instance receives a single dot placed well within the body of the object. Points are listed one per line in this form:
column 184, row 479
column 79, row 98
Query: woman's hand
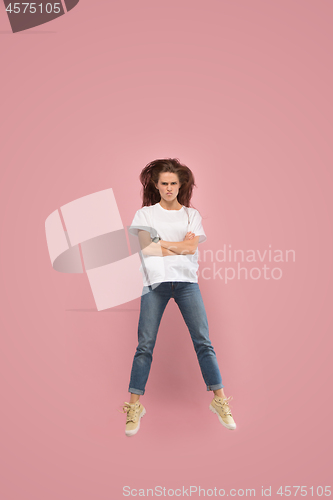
column 186, row 247
column 189, row 236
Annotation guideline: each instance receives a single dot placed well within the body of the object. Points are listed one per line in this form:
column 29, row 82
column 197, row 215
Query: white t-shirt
column 170, row 225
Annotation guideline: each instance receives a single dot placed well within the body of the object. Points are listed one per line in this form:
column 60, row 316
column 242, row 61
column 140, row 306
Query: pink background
column 241, row 92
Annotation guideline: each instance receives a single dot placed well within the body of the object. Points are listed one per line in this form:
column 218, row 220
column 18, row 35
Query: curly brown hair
column 150, row 175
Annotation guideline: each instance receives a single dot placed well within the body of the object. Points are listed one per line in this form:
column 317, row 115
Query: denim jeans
column 188, row 297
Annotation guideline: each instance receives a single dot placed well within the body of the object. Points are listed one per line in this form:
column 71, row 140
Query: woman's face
column 168, row 185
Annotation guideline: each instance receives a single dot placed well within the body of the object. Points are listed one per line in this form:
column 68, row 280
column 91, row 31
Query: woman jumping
column 169, row 232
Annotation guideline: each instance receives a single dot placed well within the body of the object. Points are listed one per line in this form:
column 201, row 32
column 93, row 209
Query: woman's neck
column 173, row 205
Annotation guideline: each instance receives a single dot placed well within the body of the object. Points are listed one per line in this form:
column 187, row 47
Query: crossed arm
column 165, row 248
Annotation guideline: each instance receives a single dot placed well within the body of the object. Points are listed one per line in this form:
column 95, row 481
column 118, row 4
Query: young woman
column 169, row 232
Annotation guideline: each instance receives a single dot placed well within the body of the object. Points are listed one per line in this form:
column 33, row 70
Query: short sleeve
column 196, row 227
column 141, row 221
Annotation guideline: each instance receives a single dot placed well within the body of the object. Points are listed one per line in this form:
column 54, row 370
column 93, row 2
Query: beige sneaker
column 220, row 406
column 134, row 413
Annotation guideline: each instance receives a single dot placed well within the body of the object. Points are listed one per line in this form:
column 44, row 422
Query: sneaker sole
column 230, row 427
column 134, row 431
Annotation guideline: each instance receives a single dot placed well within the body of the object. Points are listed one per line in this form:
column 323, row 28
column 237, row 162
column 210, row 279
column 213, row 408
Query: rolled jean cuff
column 214, row 387
column 136, row 391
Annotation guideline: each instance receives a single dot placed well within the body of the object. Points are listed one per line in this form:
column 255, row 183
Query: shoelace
column 225, row 405
column 131, row 411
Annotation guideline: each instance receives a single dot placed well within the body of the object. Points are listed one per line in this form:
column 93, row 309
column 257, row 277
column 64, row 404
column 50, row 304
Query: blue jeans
column 153, row 303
